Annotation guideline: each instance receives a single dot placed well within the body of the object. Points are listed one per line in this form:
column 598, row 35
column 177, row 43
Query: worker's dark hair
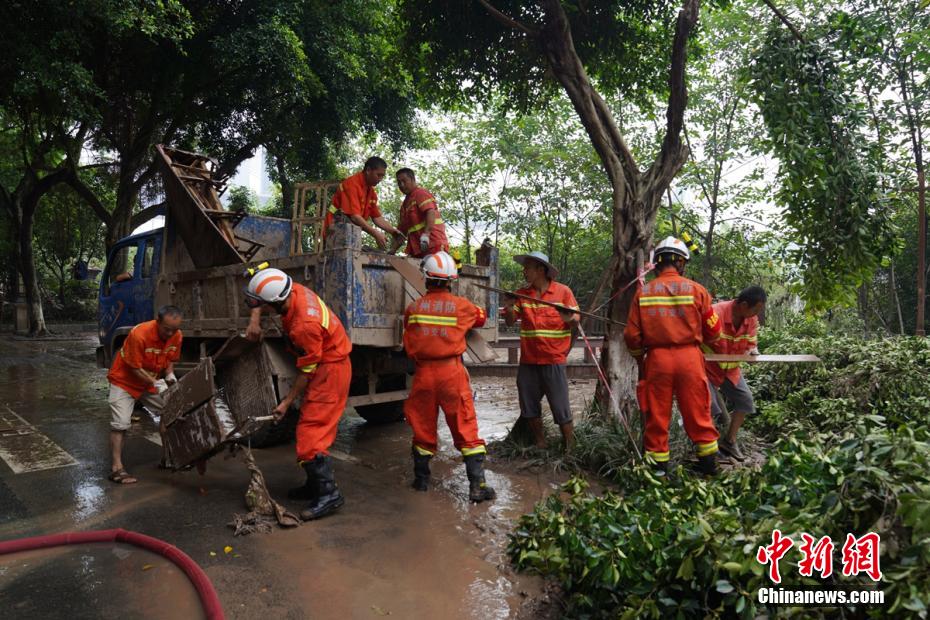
column 752, row 295
column 375, row 163
column 408, row 172
column 668, row 258
column 169, row 310
column 437, row 283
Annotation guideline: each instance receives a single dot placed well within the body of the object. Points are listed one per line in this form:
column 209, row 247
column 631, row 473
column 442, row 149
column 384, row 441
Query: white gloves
column 170, row 379
column 424, row 243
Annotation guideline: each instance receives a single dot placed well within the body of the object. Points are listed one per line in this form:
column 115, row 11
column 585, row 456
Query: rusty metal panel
column 244, row 377
column 193, row 389
column 193, row 436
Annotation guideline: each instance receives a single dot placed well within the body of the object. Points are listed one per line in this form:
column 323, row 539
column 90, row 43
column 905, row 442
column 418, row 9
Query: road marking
column 25, row 449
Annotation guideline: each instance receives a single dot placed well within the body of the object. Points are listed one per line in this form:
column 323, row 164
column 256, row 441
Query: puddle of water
column 95, row 581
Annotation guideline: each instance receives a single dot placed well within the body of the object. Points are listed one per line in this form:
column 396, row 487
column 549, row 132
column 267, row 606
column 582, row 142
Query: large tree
column 528, row 48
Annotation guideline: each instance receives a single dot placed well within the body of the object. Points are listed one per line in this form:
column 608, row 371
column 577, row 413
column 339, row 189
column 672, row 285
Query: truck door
column 127, row 289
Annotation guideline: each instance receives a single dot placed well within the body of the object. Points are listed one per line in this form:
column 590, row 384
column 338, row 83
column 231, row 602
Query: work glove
column 170, row 379
column 754, row 351
column 424, row 243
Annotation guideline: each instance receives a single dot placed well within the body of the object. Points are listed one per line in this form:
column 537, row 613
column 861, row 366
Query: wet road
column 389, row 551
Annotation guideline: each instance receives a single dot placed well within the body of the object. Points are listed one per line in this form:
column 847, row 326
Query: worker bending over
column 419, row 219
column 738, row 325
column 141, row 370
column 322, row 349
column 356, row 199
column 669, row 320
column 435, row 326
column 545, row 340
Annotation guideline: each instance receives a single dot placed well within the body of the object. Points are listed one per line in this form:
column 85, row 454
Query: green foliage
column 459, row 52
column 828, row 179
column 241, row 198
column 851, row 454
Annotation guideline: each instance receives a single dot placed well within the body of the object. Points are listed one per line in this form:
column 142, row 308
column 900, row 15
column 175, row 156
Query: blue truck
column 197, row 261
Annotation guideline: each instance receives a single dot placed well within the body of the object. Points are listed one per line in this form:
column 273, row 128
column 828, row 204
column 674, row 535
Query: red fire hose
column 208, row 597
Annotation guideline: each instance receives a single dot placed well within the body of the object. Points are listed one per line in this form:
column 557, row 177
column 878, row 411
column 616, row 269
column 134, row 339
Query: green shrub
column 851, row 454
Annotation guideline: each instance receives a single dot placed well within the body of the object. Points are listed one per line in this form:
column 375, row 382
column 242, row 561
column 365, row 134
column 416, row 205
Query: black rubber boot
column 478, row 489
column 420, row 471
column 707, row 465
column 309, row 491
column 329, row 498
column 660, row 469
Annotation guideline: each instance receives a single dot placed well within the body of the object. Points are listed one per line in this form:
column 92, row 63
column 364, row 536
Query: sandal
column 122, row 477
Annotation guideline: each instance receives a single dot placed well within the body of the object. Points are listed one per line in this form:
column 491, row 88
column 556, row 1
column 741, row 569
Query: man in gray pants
column 545, row 340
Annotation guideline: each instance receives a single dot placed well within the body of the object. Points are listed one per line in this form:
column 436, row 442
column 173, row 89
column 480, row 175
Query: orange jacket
column 670, row 311
column 143, row 349
column 354, row 197
column 732, row 341
column 435, row 325
column 413, row 219
column 314, row 330
column 544, row 336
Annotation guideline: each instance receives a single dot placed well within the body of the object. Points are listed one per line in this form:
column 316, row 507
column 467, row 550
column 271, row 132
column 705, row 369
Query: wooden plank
column 791, row 359
column 478, row 348
column 193, row 389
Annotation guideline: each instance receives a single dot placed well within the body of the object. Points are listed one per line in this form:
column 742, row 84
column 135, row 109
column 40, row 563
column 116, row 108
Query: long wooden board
column 791, row 359
column 478, row 348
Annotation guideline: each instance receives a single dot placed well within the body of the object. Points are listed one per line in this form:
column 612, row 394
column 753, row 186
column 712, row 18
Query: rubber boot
column 309, row 491
column 478, row 489
column 329, row 498
column 660, row 469
column 420, row 471
column 707, row 465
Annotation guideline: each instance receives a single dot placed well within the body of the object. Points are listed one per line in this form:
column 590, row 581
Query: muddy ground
column 389, row 552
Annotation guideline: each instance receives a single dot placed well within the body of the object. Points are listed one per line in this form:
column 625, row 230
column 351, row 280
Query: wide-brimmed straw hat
column 551, row 271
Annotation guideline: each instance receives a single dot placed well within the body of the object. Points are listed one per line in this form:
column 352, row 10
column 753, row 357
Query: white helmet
column 439, row 266
column 269, row 286
column 671, row 245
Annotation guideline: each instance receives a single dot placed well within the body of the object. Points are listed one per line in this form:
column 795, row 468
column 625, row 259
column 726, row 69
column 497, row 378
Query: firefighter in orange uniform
column 356, row 199
column 318, row 339
column 435, row 326
column 669, row 320
column 419, row 219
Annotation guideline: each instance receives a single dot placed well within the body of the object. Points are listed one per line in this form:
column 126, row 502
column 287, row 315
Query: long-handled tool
column 559, row 307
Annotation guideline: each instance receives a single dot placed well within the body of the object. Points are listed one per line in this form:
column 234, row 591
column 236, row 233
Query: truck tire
column 271, row 434
column 382, row 413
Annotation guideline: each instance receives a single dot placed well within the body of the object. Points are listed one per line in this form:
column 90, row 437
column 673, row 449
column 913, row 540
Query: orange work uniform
column 413, row 213
column 544, row 336
column 143, row 349
column 732, row 342
column 322, row 349
column 434, row 336
column 353, row 197
column 669, row 320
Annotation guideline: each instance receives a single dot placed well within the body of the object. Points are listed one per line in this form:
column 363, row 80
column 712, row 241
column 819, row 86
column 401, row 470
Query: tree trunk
column 37, row 325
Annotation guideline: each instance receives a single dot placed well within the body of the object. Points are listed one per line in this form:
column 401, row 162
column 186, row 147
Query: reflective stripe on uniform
column 545, row 333
column 475, row 450
column 324, row 310
column 422, row 225
column 333, row 209
column 670, row 300
column 705, row 449
column 432, row 319
column 745, row 337
column 422, row 451
column 308, row 369
column 658, row 457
